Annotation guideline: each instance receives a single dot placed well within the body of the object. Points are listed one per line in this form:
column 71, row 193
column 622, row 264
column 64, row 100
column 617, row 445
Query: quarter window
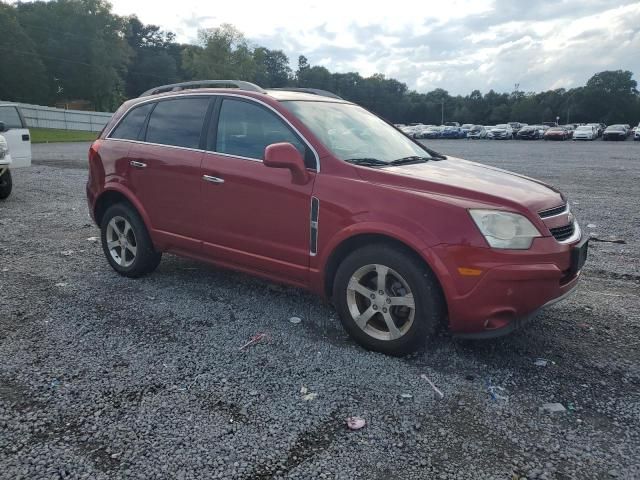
column 246, row 129
column 130, row 127
column 10, row 117
column 178, row 122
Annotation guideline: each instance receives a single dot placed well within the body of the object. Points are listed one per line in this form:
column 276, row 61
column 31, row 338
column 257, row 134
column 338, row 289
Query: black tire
column 6, row 184
column 430, row 307
column 146, row 259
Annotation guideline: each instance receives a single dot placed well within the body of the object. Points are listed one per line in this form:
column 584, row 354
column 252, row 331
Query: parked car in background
column 502, row 132
column 465, row 128
column 627, row 128
column 615, row 132
column 477, row 132
column 556, row 133
column 421, row 131
column 432, row 132
column 451, row 124
column 570, row 129
column 598, row 127
column 451, row 132
column 550, row 124
column 5, row 174
column 585, row 132
column 401, row 239
column 408, row 130
column 530, row 132
column 636, row 134
column 17, row 135
column 516, row 126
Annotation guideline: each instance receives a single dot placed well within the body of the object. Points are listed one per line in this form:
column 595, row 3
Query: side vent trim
column 313, row 237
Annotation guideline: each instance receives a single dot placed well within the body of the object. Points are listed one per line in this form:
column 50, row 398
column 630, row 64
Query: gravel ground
column 106, row 377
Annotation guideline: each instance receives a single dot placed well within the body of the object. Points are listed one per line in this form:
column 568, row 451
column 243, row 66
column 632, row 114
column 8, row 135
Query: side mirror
column 285, row 155
column 3, row 127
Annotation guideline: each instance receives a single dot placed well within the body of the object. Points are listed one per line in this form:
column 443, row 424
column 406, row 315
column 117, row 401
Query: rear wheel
column 387, row 301
column 6, row 184
column 126, row 242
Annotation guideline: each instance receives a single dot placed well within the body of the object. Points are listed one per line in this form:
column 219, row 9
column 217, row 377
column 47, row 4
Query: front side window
column 246, row 129
column 178, row 122
column 131, row 126
column 10, row 117
column 350, row 132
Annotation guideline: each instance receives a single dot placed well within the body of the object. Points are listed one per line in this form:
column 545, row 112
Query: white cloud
column 458, row 45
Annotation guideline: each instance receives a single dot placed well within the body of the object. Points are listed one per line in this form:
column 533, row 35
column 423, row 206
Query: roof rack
column 313, row 91
column 174, row 87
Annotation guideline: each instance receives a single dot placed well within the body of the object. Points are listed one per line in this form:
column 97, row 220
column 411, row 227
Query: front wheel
column 387, row 301
column 126, row 242
column 6, row 184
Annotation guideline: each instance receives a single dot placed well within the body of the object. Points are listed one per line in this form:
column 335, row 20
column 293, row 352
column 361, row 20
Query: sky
column 458, row 45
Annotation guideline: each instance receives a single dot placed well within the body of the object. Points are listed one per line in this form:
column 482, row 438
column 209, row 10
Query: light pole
column 442, row 112
column 569, row 106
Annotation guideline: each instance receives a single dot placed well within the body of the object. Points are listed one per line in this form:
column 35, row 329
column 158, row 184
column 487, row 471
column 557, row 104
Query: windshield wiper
column 411, row 159
column 367, row 162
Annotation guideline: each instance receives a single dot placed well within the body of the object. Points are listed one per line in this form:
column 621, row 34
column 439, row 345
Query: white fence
column 38, row 116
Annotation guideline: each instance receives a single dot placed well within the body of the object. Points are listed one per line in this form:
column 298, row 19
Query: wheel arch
column 352, row 243
column 115, row 195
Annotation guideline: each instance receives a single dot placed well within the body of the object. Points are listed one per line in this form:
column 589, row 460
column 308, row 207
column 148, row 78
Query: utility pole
column 442, row 112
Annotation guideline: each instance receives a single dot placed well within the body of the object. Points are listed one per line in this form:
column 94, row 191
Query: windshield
column 350, row 132
column 584, row 127
column 500, row 126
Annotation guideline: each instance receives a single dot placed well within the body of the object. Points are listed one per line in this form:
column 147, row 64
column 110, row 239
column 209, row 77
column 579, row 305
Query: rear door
column 250, row 214
column 164, row 169
column 17, row 136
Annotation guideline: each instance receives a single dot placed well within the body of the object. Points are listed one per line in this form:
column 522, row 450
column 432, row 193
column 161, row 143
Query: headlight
column 4, row 148
column 504, row 229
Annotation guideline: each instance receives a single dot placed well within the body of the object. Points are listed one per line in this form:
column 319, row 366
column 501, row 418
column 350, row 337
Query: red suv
column 305, row 188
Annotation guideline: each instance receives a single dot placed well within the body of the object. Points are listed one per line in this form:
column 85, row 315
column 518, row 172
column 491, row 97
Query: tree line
column 63, row 50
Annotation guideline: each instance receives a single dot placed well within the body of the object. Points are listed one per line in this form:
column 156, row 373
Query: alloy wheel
column 121, row 241
column 380, row 302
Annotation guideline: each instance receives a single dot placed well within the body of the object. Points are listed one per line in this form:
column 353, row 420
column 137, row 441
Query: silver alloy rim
column 380, row 302
column 121, row 241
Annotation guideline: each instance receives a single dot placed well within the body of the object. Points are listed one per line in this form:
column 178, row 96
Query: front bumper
column 5, row 163
column 509, row 288
column 501, row 135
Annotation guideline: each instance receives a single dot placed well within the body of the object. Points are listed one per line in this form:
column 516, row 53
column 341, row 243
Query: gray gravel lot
column 106, row 377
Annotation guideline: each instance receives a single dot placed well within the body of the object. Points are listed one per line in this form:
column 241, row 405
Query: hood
column 470, row 181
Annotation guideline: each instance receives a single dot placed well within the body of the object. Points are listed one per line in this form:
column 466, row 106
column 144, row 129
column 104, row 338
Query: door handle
column 212, row 179
column 135, row 164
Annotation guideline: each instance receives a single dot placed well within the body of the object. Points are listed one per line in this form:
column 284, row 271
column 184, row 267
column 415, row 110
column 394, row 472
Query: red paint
column 258, row 220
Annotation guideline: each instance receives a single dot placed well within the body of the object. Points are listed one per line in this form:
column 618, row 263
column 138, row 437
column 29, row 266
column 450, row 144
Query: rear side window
column 178, row 122
column 10, row 117
column 130, row 127
column 246, row 129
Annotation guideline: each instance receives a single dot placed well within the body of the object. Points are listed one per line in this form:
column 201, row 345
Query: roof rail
column 174, row 87
column 313, row 91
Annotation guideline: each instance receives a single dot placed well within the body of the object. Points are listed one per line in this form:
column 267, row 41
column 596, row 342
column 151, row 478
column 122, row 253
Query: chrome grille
column 562, row 233
column 550, row 212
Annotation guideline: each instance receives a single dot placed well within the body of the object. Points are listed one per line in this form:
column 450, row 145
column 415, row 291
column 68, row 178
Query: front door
column 252, row 215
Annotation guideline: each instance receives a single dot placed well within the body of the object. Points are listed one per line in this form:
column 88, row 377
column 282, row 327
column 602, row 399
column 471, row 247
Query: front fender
column 421, row 244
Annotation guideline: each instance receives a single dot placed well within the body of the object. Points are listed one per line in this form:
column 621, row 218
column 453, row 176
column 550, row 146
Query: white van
column 15, row 150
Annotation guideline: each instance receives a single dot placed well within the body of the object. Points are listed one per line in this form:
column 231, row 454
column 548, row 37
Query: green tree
column 272, row 68
column 152, row 63
column 22, row 73
column 222, row 54
column 82, row 46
